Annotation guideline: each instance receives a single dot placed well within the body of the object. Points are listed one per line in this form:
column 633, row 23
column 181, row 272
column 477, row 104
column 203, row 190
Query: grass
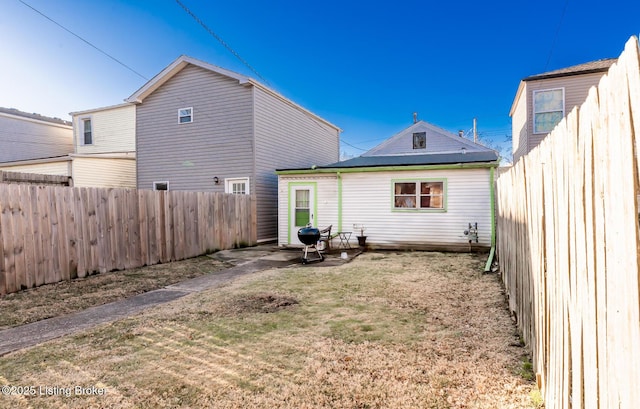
column 384, row 331
column 70, row 296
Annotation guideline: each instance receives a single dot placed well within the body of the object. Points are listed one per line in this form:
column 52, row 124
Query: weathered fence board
column 52, row 233
column 568, row 240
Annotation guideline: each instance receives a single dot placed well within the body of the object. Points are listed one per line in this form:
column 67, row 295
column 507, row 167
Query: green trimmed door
column 301, row 209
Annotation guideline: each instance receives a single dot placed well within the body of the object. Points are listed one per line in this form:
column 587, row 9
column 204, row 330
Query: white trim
column 81, row 123
column 65, row 158
column 228, row 184
column 181, row 62
column 533, row 108
column 107, row 108
column 109, row 155
column 180, row 116
column 158, row 182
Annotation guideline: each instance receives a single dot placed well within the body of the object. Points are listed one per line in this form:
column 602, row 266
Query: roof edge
column 386, row 168
column 106, row 108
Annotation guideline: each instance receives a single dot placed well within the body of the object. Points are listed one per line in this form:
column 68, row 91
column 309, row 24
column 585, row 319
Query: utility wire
column 555, row 37
column 221, row 41
column 355, row 147
column 85, row 41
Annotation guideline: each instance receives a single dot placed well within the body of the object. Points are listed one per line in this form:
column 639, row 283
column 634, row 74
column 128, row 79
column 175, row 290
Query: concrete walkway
column 246, row 261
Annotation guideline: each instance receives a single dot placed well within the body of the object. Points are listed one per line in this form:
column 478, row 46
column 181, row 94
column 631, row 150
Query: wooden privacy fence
column 34, row 178
column 568, row 247
column 49, row 234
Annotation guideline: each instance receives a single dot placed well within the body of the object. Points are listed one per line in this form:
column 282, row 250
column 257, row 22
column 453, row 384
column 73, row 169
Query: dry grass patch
column 70, row 296
column 388, row 330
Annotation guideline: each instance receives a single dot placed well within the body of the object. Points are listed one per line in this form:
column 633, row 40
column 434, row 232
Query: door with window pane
column 301, row 207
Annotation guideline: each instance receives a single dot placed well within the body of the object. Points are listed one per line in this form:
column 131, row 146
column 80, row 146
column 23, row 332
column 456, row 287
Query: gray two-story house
column 200, row 127
column 542, row 100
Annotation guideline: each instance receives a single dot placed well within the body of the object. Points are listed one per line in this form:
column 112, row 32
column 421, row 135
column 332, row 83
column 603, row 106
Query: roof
column 592, row 67
column 89, row 111
column 580, row 69
column 38, row 117
column 409, row 160
column 438, row 140
column 181, row 62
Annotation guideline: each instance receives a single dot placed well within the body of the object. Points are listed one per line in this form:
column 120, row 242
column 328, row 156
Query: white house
column 420, row 189
column 33, row 143
column 96, row 149
column 104, row 142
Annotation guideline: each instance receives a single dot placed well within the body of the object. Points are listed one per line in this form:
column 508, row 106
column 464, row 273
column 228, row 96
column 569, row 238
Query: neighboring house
column 543, row 100
column 104, row 147
column 96, row 149
column 420, row 189
column 34, row 143
column 200, row 127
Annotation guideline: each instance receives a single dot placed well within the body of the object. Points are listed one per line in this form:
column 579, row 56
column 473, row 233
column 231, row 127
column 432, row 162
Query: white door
column 301, row 209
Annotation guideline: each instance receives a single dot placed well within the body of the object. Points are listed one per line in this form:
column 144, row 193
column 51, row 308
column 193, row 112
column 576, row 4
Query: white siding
column 25, row 139
column 367, row 199
column 286, row 137
column 60, row 168
column 519, row 126
column 113, row 130
column 104, row 172
column 327, row 202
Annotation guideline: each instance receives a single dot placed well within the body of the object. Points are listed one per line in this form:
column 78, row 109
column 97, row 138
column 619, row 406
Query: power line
column 85, row 41
column 221, row 41
column 355, row 147
column 555, row 37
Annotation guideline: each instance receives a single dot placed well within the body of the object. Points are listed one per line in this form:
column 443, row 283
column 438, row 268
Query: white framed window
column 548, row 109
column 237, row 186
column 419, row 194
column 161, row 185
column 185, row 115
column 86, row 127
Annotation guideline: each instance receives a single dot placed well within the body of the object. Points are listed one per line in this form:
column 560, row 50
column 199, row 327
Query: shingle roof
column 438, row 140
column 411, row 160
column 586, row 68
column 16, row 112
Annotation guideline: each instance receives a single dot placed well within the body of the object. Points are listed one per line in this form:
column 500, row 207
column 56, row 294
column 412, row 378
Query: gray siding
column 286, row 137
column 25, row 139
column 219, row 142
column 437, row 141
column 576, row 89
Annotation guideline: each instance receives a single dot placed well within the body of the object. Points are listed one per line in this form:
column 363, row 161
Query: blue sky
column 364, row 66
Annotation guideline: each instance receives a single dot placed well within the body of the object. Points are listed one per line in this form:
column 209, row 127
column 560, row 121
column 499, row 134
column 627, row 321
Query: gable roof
column 443, row 148
column 601, row 65
column 438, row 141
column 181, row 62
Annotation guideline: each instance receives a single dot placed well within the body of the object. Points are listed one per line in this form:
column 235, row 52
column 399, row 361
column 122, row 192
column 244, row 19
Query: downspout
column 487, row 267
column 339, row 201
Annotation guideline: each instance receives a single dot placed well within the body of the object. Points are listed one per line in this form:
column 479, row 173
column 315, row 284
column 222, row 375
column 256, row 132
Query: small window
column 237, row 186
column 420, row 140
column 185, row 115
column 87, row 133
column 418, row 195
column 548, row 109
column 160, row 185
